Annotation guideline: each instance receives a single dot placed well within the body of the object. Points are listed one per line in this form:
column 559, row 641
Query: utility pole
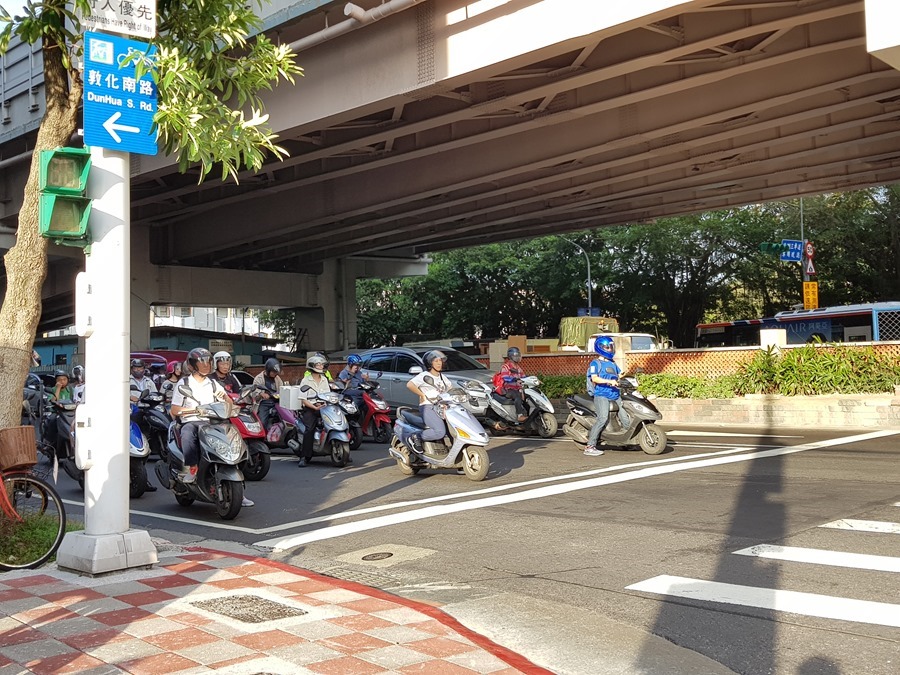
column 588, row 260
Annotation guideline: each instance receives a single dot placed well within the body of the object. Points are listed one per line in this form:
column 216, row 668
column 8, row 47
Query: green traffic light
column 64, row 206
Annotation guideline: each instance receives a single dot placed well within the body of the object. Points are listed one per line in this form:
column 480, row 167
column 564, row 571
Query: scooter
column 641, row 430
column 332, row 433
column 376, row 418
column 138, row 452
column 352, row 412
column 282, row 432
column 58, row 434
column 463, row 444
column 259, row 461
column 503, row 416
column 219, row 479
column 154, row 421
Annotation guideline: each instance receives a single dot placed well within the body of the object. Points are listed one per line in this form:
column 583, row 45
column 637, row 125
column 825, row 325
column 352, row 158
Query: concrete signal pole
column 102, row 424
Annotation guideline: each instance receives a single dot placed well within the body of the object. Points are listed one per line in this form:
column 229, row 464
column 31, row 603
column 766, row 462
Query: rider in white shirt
column 139, row 381
column 435, row 428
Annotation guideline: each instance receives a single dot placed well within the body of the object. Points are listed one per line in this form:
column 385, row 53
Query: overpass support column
column 882, row 38
column 144, row 288
column 332, row 325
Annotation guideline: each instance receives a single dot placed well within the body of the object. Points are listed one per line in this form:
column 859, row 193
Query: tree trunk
column 26, row 262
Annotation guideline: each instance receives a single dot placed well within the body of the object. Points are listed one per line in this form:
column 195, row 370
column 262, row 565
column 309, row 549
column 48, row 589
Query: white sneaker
column 591, row 451
column 247, row 502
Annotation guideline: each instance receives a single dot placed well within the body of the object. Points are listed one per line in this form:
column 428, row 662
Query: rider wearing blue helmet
column 352, row 376
column 603, row 385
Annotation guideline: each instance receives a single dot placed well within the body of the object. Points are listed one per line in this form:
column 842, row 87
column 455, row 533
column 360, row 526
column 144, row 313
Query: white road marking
column 862, row 561
column 723, row 434
column 864, row 526
column 794, row 602
column 416, row 502
column 291, row 541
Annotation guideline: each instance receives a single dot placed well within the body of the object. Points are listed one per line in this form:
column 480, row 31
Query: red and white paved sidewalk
column 204, row 611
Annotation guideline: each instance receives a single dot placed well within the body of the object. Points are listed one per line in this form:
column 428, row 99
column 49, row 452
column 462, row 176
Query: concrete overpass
column 452, row 123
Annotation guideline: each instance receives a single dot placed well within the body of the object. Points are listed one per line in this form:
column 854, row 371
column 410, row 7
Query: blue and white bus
column 868, row 322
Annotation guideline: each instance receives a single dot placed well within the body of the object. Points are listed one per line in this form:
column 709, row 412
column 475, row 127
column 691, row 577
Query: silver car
column 394, row 367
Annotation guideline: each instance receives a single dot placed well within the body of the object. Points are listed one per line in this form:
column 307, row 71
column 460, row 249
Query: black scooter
column 58, row 437
column 641, row 430
column 154, row 421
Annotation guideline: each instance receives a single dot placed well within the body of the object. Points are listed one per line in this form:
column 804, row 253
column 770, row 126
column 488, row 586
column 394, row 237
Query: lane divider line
column 291, row 541
column 816, row 556
column 864, row 526
column 793, row 602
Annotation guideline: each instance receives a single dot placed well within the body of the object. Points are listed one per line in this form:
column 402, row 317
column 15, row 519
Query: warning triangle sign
column 808, row 267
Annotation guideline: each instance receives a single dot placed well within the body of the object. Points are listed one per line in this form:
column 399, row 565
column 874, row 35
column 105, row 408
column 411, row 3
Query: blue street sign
column 794, row 252
column 118, row 108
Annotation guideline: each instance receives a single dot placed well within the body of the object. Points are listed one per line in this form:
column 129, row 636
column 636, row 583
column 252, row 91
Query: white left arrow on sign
column 111, row 127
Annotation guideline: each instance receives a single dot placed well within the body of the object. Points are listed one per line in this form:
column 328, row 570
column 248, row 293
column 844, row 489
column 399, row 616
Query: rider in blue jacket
column 603, row 385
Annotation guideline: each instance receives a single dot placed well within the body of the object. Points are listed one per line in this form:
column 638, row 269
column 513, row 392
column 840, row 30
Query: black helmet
column 513, row 354
column 273, row 365
column 432, row 356
column 137, row 363
column 61, row 373
column 198, row 354
column 33, row 382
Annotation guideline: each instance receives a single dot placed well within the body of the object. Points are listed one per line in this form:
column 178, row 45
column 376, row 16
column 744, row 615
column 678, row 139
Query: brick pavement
column 201, row 610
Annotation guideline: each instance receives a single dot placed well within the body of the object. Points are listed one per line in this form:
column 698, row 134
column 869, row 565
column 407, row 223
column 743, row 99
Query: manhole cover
column 377, row 556
column 249, row 608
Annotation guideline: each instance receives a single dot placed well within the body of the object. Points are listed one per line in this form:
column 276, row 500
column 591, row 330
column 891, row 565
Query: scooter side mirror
column 144, row 394
column 185, row 391
column 305, row 388
column 428, row 379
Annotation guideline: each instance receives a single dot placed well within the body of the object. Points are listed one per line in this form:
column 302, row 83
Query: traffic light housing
column 773, row 248
column 64, row 206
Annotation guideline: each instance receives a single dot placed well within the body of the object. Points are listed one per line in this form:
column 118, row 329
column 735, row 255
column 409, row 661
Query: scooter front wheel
column 137, row 474
column 355, row 437
column 258, row 461
column 382, row 432
column 652, row 439
column 340, row 453
column 475, row 463
column 232, row 496
column 546, row 425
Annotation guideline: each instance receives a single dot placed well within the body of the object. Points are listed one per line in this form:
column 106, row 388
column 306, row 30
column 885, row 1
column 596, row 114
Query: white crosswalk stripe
column 800, row 602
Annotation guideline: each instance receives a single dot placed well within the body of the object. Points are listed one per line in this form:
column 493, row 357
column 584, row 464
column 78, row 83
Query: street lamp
column 590, row 304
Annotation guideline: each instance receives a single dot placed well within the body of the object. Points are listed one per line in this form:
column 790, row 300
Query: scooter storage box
column 287, row 398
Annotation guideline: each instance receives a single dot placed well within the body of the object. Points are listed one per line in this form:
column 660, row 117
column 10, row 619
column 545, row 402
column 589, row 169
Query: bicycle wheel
column 33, row 529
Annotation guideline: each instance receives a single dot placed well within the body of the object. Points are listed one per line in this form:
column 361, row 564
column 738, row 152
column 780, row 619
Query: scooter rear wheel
column 183, row 499
column 232, row 497
column 405, row 467
column 652, row 439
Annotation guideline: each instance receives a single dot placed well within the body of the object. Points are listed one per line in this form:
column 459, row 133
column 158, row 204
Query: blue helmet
column 353, row 360
column 605, row 346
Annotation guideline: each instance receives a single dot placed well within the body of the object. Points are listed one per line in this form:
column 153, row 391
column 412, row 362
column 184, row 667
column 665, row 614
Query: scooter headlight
column 379, row 405
column 334, row 418
column 253, row 427
column 641, row 408
column 349, row 407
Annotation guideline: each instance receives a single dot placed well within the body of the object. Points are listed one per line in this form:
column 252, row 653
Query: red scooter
column 258, row 461
column 376, row 419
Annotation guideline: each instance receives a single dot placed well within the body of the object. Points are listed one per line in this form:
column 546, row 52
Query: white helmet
column 221, row 356
column 317, row 363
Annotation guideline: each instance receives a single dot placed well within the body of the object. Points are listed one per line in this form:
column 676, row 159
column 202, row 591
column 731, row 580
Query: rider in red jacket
column 508, row 382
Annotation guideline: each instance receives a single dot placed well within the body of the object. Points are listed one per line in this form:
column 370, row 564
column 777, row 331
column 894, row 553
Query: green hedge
column 801, row 371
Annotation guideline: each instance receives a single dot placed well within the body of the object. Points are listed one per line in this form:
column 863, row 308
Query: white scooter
column 503, row 417
column 463, row 445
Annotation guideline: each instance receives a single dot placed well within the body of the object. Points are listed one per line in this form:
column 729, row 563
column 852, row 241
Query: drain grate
column 249, row 608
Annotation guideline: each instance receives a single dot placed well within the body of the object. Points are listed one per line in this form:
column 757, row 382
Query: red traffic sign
column 810, row 250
